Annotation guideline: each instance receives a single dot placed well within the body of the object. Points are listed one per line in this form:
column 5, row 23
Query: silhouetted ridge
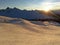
column 25, row 14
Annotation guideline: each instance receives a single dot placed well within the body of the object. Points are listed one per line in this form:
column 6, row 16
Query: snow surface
column 25, row 32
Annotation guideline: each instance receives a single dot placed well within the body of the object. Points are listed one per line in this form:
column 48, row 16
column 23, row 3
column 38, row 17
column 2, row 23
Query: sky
column 30, row 4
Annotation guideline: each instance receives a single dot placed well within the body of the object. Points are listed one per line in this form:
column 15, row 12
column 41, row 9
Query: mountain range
column 26, row 14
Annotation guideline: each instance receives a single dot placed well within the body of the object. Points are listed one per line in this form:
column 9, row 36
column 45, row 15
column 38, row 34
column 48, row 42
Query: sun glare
column 46, row 10
column 47, row 6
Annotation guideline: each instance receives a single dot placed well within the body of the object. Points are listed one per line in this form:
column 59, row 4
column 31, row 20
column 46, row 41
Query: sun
column 46, row 6
column 46, row 9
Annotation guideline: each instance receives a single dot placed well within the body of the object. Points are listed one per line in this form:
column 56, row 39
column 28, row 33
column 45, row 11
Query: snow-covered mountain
column 26, row 14
column 17, row 31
